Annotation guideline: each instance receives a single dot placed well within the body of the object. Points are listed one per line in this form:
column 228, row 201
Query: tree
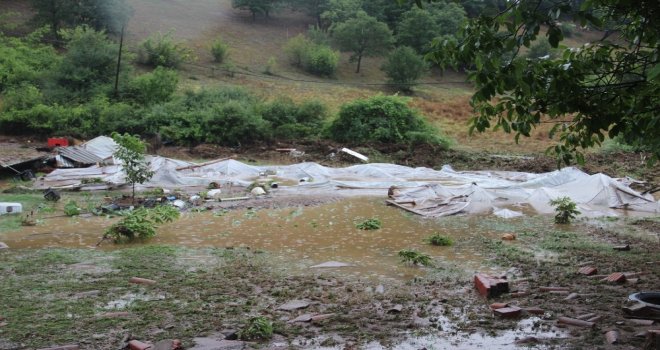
column 90, row 61
column 155, row 87
column 264, row 7
column 130, row 152
column 339, row 11
column 313, row 8
column 108, row 15
column 610, row 87
column 419, row 27
column 363, row 36
column 404, row 67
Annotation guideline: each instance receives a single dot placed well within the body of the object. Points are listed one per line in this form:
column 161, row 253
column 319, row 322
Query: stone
column 294, row 305
column 508, row 237
column 258, row 191
column 588, row 270
column 395, row 309
column 508, row 312
column 380, row 289
column 321, row 317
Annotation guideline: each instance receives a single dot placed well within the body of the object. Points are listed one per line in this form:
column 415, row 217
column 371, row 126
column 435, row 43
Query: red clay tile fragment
column 612, row 337
column 495, row 306
column 534, row 310
column 138, row 345
column 588, row 270
column 616, row 277
column 139, row 280
column 508, row 312
column 575, row 322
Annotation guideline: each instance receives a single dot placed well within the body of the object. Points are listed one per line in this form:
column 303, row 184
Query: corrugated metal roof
column 14, row 153
column 79, row 155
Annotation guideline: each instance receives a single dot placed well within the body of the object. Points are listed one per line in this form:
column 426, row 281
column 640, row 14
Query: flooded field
column 300, row 236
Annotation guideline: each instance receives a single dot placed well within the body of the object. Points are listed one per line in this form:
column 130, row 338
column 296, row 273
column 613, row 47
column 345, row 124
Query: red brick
column 616, row 277
column 588, row 270
column 138, row 345
column 508, row 312
column 489, row 286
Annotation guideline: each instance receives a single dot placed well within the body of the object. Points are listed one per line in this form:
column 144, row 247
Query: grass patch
column 369, row 224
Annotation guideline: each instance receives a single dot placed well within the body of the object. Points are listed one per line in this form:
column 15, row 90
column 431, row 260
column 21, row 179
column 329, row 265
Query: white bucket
column 10, row 208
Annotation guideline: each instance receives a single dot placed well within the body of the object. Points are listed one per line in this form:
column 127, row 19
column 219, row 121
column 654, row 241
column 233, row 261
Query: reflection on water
column 305, row 236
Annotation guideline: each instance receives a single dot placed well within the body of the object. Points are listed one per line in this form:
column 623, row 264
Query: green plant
column 414, row 257
column 566, row 210
column 161, row 50
column 369, row 224
column 404, row 67
column 440, row 240
column 71, row 209
column 257, row 328
column 131, row 153
column 219, row 50
column 270, row 65
column 141, row 223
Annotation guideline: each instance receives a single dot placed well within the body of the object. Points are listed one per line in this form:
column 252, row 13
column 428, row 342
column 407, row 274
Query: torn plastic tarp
column 421, row 190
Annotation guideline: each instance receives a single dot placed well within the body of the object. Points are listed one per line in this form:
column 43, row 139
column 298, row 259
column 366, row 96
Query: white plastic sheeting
column 421, row 190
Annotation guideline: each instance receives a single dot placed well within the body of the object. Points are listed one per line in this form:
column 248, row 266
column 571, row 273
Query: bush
column 296, row 48
column 141, row 223
column 155, row 87
column 71, row 209
column 386, row 119
column 539, row 49
column 404, row 67
column 566, row 210
column 219, row 50
column 161, row 50
column 414, row 257
column 257, row 328
column 321, row 60
column 369, row 224
column 291, row 121
column 439, row 240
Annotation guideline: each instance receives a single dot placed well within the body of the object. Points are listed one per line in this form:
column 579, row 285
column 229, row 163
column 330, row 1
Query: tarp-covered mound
column 423, row 191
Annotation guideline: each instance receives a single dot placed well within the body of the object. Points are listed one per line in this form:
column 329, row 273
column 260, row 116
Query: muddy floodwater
column 300, row 236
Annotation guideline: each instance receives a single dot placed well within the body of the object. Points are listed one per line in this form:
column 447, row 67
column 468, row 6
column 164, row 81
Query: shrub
column 234, row 123
column 404, row 67
column 291, row 121
column 439, row 240
column 161, row 50
column 296, row 48
column 270, row 66
column 257, row 328
column 155, row 87
column 71, row 209
column 414, row 257
column 321, row 60
column 219, row 50
column 380, row 118
column 141, row 223
column 369, row 224
column 539, row 49
column 566, row 210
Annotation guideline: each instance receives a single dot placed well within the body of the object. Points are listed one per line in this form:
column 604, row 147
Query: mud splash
column 304, row 236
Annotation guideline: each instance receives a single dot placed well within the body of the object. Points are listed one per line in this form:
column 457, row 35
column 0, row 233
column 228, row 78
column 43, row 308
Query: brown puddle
column 304, row 236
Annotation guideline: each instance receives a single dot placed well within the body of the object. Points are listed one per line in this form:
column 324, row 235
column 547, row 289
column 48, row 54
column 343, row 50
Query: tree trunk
column 358, row 66
column 133, row 198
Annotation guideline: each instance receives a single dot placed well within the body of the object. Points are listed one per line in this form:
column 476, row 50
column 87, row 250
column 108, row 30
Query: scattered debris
column 508, row 312
column 509, row 237
column 138, row 280
column 235, row 199
column 63, row 347
column 167, row 344
column 214, row 194
column 329, row 264
column 294, row 305
column 302, row 318
column 321, row 317
column 3, row 245
column 575, row 322
column 616, row 277
column 258, row 191
column 10, row 208
column 495, row 306
column 395, row 309
column 588, row 270
column 622, row 248
column 586, row 316
column 51, row 195
column 138, row 345
column 534, row 310
column 356, row 155
column 489, row 286
column 612, row 337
